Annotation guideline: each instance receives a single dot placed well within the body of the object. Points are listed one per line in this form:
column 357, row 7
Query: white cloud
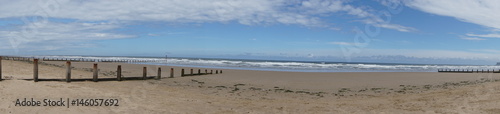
column 151, row 34
column 362, row 13
column 345, row 43
column 487, row 50
column 485, row 35
column 52, row 36
column 396, row 27
column 481, row 12
column 248, row 12
column 60, row 22
column 469, row 38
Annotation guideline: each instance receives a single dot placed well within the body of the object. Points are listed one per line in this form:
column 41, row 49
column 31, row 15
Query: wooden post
column 171, row 72
column 199, row 72
column 119, row 73
column 159, row 73
column 95, row 72
column 68, row 71
column 211, row 71
column 182, row 73
column 191, row 72
column 0, row 67
column 35, row 70
column 216, row 71
column 206, row 71
column 144, row 72
column 221, row 71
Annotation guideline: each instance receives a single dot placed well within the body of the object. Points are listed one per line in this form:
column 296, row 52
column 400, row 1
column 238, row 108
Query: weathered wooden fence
column 1, row 68
column 81, row 59
column 95, row 77
column 100, row 60
column 468, row 71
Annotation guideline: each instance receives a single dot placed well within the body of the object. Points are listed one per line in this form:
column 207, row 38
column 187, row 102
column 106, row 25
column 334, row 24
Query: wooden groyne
column 1, row 68
column 199, row 72
column 95, row 76
column 102, row 60
column 468, row 71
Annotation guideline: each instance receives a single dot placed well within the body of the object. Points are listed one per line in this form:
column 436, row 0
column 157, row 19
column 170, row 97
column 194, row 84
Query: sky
column 401, row 31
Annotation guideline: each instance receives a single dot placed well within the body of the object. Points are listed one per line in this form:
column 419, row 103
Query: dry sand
column 242, row 91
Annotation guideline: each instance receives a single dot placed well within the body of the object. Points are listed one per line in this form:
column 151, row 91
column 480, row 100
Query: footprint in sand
column 54, row 86
column 7, row 77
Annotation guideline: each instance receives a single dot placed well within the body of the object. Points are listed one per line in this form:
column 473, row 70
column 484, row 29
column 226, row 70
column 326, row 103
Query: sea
column 283, row 65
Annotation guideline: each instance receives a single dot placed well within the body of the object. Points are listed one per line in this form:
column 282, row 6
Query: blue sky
column 421, row 31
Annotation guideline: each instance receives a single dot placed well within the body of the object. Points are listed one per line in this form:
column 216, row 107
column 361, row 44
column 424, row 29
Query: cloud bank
column 50, row 23
column 248, row 12
column 481, row 12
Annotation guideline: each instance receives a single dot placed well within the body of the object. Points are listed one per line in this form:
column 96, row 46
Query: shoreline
column 270, row 65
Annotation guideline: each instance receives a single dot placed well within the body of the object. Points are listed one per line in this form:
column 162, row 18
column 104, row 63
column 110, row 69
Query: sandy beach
column 245, row 91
